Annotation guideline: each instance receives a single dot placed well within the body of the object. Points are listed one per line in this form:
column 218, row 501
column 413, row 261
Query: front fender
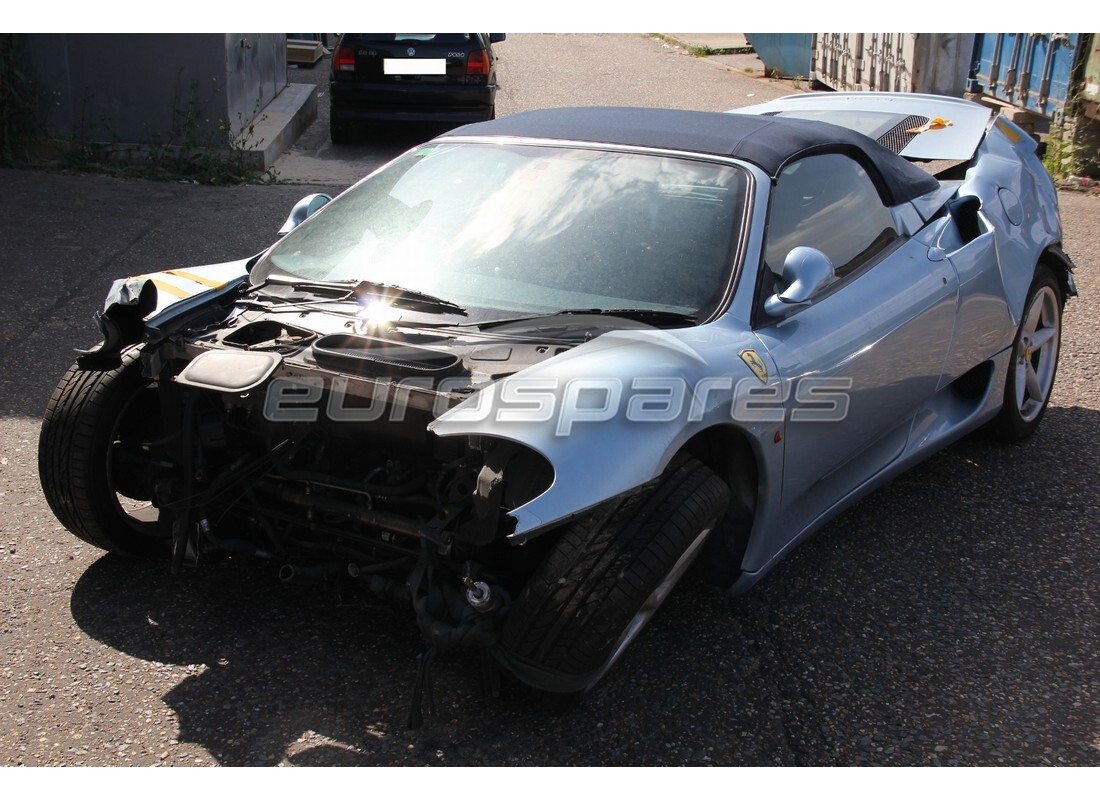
column 183, row 288
column 153, row 300
column 610, row 414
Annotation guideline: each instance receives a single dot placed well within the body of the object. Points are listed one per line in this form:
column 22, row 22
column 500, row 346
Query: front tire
column 605, row 578
column 1030, row 380
column 92, row 458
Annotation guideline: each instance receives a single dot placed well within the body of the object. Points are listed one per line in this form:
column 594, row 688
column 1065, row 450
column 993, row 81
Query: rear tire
column 339, row 132
column 1034, row 364
column 90, row 458
column 606, row 576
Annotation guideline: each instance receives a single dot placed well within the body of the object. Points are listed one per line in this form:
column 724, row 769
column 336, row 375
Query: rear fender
column 1020, row 203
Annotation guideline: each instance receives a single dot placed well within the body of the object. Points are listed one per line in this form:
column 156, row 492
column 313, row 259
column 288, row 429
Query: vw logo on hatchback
column 411, row 51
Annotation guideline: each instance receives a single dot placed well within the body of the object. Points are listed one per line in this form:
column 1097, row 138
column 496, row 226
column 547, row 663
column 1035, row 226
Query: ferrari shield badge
column 754, row 362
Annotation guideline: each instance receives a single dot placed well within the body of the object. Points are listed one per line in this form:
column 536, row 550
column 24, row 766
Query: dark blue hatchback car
column 412, row 77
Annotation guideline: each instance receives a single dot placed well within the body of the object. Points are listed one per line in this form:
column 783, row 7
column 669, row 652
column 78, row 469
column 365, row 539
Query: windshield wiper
column 397, row 296
column 651, row 315
column 340, row 287
column 411, row 299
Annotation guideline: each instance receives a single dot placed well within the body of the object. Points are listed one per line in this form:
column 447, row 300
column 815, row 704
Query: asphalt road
column 951, row 618
column 549, row 71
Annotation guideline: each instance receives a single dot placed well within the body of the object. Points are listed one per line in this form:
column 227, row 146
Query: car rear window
column 424, row 38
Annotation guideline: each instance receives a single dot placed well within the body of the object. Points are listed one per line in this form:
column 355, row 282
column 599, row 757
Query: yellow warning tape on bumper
column 191, row 276
column 163, row 286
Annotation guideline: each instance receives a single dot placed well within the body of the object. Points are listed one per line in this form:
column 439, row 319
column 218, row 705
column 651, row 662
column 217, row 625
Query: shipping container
column 929, row 63
column 1090, row 83
column 787, row 55
column 1029, row 71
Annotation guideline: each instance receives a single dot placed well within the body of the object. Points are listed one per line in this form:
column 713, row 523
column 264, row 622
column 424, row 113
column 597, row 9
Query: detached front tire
column 606, row 576
column 92, row 458
column 1034, row 363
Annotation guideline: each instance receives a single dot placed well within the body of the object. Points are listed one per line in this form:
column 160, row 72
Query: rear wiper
column 397, row 296
column 652, row 315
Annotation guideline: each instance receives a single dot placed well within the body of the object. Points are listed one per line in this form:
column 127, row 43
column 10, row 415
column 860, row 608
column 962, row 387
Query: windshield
column 530, row 229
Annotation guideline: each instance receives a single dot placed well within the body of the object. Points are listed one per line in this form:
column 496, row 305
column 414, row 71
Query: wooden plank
column 304, row 51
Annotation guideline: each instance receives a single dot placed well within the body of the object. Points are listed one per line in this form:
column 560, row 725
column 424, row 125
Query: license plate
column 414, row 66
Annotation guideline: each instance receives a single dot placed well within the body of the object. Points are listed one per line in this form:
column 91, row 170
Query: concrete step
column 280, row 123
column 715, row 43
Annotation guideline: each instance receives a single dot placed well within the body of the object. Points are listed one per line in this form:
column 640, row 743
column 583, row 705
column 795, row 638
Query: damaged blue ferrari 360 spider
column 526, row 375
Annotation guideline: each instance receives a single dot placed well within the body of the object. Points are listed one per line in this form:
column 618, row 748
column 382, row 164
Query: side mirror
column 306, row 207
column 807, row 271
column 494, row 38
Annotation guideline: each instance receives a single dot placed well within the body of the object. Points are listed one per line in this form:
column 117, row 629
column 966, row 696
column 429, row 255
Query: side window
column 828, row 202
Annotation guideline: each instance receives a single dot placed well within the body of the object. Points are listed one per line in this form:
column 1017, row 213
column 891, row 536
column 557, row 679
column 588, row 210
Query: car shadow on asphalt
column 304, row 673
column 267, row 663
column 321, row 675
column 946, row 619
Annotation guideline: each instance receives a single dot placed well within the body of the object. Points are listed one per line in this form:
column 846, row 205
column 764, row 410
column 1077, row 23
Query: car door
column 875, row 339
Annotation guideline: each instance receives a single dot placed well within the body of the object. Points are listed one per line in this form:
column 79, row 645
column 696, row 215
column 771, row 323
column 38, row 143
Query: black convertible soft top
column 768, row 142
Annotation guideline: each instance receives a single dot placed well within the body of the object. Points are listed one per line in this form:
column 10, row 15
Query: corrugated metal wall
column 929, row 63
column 1032, row 71
column 149, row 88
